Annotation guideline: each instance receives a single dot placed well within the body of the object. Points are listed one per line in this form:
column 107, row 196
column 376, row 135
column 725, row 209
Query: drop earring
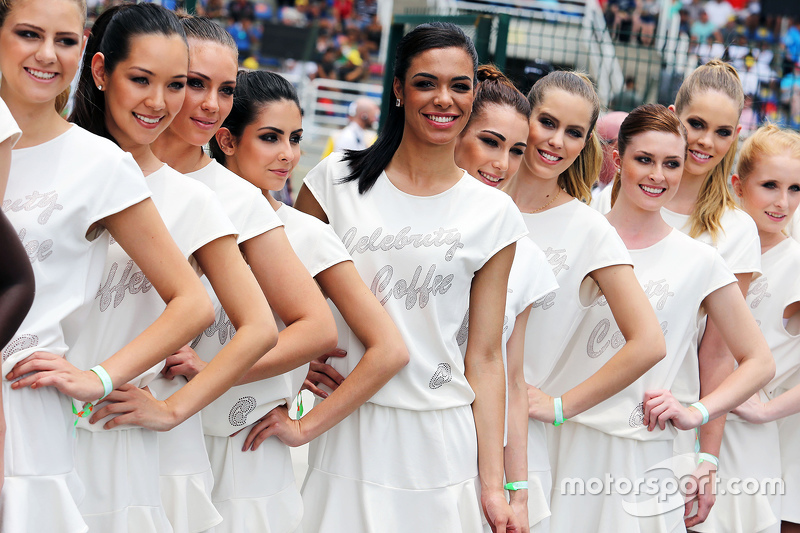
column 397, row 103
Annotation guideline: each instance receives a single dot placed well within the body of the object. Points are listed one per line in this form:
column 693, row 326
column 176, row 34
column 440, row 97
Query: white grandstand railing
column 604, row 66
column 325, row 104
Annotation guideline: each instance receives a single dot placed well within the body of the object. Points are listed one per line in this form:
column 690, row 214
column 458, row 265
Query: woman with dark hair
column 66, row 187
column 561, row 162
column 630, row 438
column 490, row 149
column 251, row 490
column 131, row 88
column 254, row 482
column 426, row 450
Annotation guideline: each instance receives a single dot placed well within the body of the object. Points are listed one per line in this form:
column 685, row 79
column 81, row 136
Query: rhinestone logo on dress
column 442, row 375
column 636, row 420
column 240, row 410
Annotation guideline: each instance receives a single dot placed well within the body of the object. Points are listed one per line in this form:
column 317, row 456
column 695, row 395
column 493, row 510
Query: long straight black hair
column 111, row 35
column 366, row 165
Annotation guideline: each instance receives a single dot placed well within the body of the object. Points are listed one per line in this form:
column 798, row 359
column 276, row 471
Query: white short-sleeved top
column 245, row 205
column 318, row 248
column 57, row 191
column 531, row 278
column 418, row 255
column 8, row 126
column 126, row 302
column 576, row 240
column 737, row 241
column 740, row 247
column 767, row 298
column 676, row 273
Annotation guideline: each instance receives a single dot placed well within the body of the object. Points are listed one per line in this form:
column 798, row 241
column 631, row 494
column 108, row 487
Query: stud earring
column 99, row 87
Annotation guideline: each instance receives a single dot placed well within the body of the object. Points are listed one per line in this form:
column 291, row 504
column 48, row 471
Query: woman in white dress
column 490, row 149
column 425, row 453
column 562, row 161
column 767, row 183
column 131, row 88
column 683, row 279
column 66, row 187
column 254, row 483
column 709, row 104
column 295, row 298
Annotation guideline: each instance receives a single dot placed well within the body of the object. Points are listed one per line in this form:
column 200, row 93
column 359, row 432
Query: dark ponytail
column 254, row 90
column 366, row 165
column 111, row 35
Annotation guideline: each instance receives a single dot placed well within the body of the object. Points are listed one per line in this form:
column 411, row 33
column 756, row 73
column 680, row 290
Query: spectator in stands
column 608, row 129
column 627, row 99
column 327, row 64
column 719, row 12
column 791, row 44
column 353, row 67
column 702, row 29
column 240, row 10
column 619, row 16
column 357, row 135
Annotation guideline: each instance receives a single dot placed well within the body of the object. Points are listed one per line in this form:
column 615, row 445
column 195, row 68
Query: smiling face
column 209, row 92
column 771, row 194
column 558, row 128
column 41, row 49
column 269, row 147
column 651, row 169
column 437, row 95
column 145, row 92
column 711, row 121
column 492, row 146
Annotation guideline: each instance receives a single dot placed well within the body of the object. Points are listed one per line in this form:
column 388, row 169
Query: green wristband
column 516, row 485
column 559, row 408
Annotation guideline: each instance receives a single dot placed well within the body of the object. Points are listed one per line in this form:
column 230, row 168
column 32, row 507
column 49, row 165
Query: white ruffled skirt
column 750, row 454
column 254, row 490
column 42, row 490
column 395, row 471
column 186, row 480
column 613, row 484
column 120, row 471
column 789, row 431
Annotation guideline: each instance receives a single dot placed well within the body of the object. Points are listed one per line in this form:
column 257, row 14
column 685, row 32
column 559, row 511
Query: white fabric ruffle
column 42, row 490
column 395, row 471
column 254, row 490
column 120, row 472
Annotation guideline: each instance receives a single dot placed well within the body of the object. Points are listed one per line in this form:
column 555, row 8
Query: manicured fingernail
column 324, row 394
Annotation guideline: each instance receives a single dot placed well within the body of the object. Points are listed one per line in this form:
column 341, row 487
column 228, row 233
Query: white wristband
column 108, row 385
